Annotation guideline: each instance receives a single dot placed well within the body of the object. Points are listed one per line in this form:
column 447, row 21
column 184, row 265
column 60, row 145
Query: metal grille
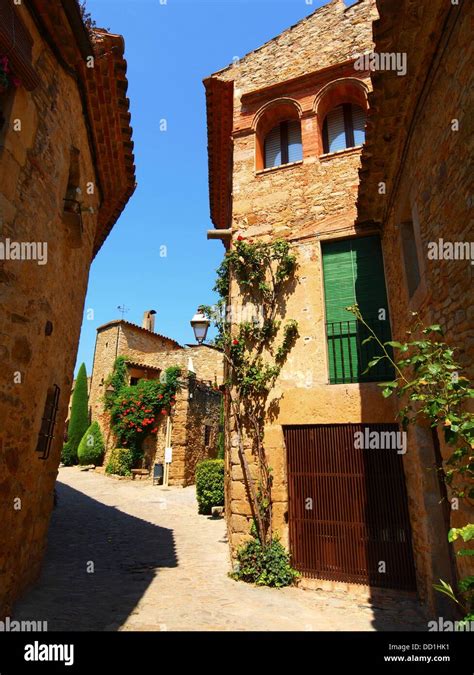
column 348, row 511
column 350, row 352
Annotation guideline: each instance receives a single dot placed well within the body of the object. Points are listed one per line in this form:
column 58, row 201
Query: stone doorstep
column 371, row 596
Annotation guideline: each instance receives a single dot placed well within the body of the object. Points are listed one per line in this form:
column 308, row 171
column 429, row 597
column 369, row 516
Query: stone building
column 195, row 418
column 424, row 158
column 286, row 125
column 66, row 173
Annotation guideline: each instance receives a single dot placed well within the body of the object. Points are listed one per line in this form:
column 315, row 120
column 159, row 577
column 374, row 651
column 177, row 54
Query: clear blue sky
column 170, row 49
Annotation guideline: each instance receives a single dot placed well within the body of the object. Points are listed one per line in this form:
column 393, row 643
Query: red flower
column 239, row 238
column 163, row 412
column 235, row 342
column 160, row 396
column 139, row 430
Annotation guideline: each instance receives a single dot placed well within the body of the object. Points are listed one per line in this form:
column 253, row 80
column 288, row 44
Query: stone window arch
column 341, row 109
column 278, row 139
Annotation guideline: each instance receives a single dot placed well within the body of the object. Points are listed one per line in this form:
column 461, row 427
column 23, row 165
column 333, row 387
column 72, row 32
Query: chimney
column 149, row 320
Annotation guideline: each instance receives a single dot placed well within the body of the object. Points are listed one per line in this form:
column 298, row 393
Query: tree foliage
column 91, row 448
column 431, row 387
column 79, row 419
column 136, row 410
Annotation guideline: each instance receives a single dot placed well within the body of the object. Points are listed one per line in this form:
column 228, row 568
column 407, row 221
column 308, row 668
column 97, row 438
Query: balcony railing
column 349, row 357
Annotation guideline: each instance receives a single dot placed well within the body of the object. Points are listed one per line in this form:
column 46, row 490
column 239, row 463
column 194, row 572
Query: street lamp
column 200, row 324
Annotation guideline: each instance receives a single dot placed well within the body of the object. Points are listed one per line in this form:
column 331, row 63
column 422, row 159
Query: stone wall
column 41, row 305
column 305, row 72
column 308, row 68
column 189, row 415
column 203, row 411
column 435, row 191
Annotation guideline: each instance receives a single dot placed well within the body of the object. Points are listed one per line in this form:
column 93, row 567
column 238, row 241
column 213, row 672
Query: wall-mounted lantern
column 200, row 324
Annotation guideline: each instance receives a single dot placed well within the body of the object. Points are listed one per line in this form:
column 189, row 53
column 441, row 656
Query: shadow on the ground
column 125, row 553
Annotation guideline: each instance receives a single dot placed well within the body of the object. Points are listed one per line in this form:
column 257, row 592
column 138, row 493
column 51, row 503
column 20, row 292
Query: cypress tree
column 79, row 420
column 91, row 448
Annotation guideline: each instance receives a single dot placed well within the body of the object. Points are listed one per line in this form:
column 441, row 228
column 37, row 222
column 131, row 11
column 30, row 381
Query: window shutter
column 48, row 422
column 339, row 293
column 336, row 129
column 358, row 121
column 295, row 148
column 272, row 148
column 353, row 272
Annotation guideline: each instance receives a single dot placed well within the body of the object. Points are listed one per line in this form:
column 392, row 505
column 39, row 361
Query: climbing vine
column 256, row 345
column 135, row 410
column 431, row 386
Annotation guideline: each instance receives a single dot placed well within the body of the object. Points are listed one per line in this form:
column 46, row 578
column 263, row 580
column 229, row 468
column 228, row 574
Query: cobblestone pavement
column 126, row 555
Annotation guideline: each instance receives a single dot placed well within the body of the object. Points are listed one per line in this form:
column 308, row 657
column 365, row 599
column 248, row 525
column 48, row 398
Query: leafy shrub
column 79, row 420
column 121, row 462
column 210, row 484
column 91, row 448
column 269, row 566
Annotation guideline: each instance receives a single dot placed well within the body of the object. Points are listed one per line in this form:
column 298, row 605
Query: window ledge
column 347, row 151
column 276, row 168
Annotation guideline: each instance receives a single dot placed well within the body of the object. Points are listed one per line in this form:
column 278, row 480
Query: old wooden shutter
column 295, row 148
column 336, row 131
column 358, row 123
column 353, row 273
column 273, row 148
column 16, row 43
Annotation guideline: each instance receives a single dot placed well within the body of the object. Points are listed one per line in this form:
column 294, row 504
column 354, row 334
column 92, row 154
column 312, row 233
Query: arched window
column 344, row 127
column 283, row 144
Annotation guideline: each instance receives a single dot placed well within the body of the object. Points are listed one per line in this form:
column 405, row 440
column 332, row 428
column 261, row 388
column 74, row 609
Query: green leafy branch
column 431, row 387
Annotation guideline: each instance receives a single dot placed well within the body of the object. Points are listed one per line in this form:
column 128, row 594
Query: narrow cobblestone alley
column 158, row 565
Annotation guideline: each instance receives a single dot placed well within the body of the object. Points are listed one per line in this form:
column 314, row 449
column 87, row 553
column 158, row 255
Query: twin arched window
column 343, row 127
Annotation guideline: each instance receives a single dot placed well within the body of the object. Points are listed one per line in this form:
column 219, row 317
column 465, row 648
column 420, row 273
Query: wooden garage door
column 348, row 514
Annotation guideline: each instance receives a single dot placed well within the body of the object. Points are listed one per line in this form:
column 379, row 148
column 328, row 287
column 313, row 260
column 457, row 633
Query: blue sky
column 170, row 48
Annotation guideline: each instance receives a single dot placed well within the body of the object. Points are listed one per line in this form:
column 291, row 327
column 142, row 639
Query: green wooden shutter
column 353, row 272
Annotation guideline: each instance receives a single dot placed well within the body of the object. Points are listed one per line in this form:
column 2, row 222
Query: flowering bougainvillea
column 135, row 411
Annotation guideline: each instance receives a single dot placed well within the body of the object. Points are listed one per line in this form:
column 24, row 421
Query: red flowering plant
column 7, row 77
column 135, row 411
